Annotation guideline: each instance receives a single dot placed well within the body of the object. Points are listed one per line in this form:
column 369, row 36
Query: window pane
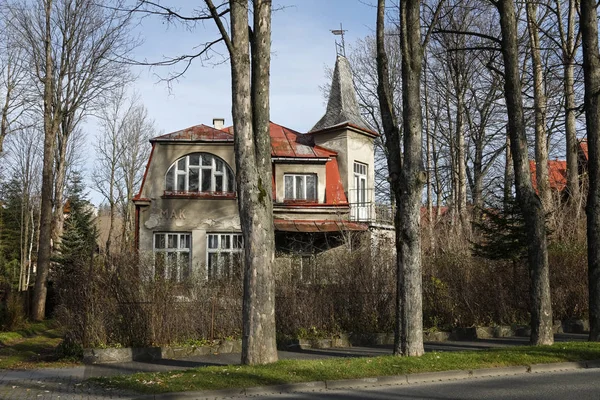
column 159, row 241
column 206, row 180
column 194, row 159
column 226, row 265
column 194, row 179
column 184, row 265
column 218, row 183
column 300, row 194
column 230, row 183
column 184, row 241
column 170, row 180
column 172, row 241
column 225, row 241
column 311, row 187
column 219, row 165
column 181, row 182
column 212, row 264
column 159, row 265
column 207, row 159
column 213, row 241
column 289, row 187
column 172, row 266
column 237, row 241
column 181, row 164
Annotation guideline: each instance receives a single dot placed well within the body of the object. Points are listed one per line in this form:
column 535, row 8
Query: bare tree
column 530, row 204
column 13, row 87
column 71, row 46
column 591, row 71
column 539, row 106
column 110, row 149
column 407, row 176
column 137, row 130
column 252, row 144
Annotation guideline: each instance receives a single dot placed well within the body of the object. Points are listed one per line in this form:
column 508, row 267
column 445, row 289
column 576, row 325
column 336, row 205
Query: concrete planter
column 327, row 343
column 128, row 354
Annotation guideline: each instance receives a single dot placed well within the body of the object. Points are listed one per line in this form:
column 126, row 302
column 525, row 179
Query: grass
column 31, row 347
column 293, row 371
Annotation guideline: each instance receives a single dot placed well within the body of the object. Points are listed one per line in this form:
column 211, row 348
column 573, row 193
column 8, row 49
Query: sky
column 302, row 47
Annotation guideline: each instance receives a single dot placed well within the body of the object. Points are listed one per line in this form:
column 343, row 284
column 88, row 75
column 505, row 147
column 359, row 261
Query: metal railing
column 364, row 209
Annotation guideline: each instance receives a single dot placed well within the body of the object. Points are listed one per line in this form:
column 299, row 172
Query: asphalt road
column 577, row 384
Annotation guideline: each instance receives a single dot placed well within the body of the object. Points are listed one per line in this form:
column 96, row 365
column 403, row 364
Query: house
column 557, row 170
column 186, row 209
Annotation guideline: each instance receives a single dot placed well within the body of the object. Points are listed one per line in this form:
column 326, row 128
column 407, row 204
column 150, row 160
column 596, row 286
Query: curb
column 396, row 380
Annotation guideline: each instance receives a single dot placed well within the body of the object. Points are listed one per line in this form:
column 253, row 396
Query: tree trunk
column 50, row 130
column 569, row 50
column 591, row 74
column 509, row 174
column 539, row 106
column 412, row 180
column 530, row 204
column 254, row 173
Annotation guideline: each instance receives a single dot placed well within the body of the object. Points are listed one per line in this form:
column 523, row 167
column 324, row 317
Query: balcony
column 364, row 209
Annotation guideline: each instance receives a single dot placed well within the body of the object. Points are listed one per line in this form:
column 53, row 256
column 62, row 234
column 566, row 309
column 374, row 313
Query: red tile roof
column 198, row 133
column 317, row 226
column 583, row 149
column 286, row 142
column 557, row 174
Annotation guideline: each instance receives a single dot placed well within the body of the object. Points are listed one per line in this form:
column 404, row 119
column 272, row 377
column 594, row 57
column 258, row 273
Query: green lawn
column 292, row 371
column 31, row 347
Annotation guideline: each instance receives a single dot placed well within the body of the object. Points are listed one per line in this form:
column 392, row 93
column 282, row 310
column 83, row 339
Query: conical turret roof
column 342, row 106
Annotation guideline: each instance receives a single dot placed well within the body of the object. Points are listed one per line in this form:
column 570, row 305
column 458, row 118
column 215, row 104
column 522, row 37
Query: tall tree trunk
column 412, row 180
column 591, row 74
column 60, row 180
column 530, row 204
column 394, row 160
column 569, row 51
column 50, row 129
column 509, row 174
column 539, row 106
column 252, row 144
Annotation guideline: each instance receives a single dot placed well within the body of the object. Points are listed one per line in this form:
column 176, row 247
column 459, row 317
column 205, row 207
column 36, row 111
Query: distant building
column 557, row 169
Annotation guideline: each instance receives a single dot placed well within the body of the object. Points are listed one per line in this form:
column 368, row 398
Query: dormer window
column 200, row 173
column 300, row 187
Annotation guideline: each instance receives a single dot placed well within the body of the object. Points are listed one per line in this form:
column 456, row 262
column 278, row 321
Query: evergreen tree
column 78, row 246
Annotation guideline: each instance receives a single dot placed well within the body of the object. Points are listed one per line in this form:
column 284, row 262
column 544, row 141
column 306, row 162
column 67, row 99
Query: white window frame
column 360, row 182
column 174, row 271
column 199, row 168
column 304, row 195
column 216, row 248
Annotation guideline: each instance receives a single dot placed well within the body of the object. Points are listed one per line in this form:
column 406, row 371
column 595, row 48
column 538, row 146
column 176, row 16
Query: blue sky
column 302, row 47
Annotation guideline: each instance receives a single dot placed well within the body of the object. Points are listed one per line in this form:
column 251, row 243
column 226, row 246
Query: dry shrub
column 117, row 303
column 337, row 291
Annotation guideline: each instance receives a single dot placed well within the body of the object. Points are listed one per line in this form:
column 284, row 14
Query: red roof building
column 186, row 209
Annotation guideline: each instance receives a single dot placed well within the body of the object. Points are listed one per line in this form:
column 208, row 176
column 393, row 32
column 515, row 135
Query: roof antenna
column 340, row 48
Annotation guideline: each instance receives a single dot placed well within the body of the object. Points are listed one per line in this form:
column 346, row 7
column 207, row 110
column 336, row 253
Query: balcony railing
column 364, row 209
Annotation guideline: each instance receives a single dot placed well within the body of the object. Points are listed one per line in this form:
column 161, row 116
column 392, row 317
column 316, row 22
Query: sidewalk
column 69, row 383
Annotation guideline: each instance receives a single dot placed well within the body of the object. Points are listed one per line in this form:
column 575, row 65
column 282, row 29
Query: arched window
column 200, row 173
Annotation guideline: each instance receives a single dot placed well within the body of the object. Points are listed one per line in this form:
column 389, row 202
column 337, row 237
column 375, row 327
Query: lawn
column 31, row 347
column 293, row 371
